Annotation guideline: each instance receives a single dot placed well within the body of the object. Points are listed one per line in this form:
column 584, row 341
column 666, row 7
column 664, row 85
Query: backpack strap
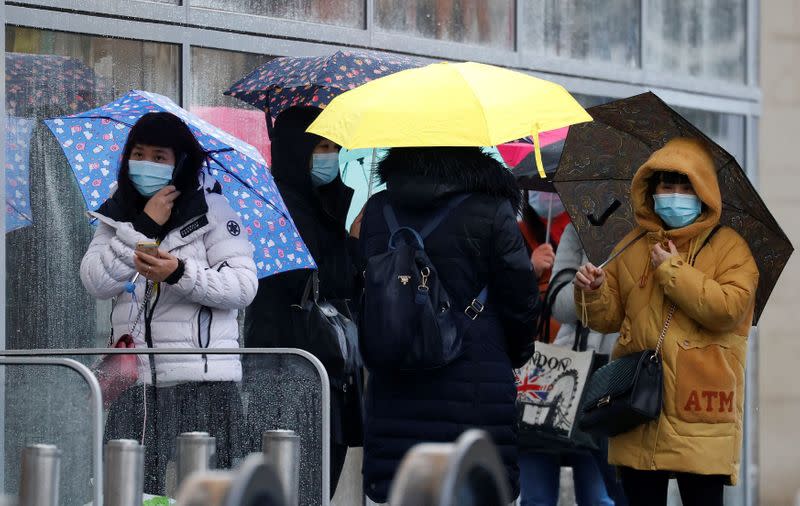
column 390, row 217
column 478, row 304
column 439, row 217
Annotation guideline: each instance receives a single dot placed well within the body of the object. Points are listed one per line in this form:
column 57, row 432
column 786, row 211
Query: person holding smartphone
column 172, row 256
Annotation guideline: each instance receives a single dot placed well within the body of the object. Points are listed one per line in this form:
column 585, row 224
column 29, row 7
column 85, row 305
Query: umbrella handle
column 549, row 222
column 371, row 173
column 621, row 250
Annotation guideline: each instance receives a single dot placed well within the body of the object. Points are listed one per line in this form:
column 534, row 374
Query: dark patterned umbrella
column 313, row 80
column 601, row 157
column 34, row 81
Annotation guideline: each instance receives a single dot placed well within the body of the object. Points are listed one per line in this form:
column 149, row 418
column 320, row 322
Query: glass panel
column 705, row 38
column 469, row 21
column 215, row 71
column 53, row 74
column 277, row 392
column 727, row 130
column 584, row 29
column 48, row 405
column 330, row 12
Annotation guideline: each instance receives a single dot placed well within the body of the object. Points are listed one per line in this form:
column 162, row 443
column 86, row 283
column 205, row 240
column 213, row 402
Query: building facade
column 701, row 56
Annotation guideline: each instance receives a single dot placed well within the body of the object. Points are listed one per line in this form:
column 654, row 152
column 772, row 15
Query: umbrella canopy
column 93, row 140
column 34, row 81
column 245, row 124
column 313, row 80
column 600, row 159
column 514, row 152
column 448, row 104
column 18, row 192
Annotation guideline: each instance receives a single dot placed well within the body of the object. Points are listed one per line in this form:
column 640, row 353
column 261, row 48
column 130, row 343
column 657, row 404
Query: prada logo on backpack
column 404, row 279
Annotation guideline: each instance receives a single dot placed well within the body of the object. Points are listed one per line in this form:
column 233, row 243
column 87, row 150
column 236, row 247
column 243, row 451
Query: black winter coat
column 319, row 214
column 478, row 244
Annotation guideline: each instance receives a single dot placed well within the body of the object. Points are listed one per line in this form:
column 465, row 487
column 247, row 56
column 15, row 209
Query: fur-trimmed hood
column 419, row 177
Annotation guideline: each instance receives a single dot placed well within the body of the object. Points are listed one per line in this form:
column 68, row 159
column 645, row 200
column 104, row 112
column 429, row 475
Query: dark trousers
column 649, row 488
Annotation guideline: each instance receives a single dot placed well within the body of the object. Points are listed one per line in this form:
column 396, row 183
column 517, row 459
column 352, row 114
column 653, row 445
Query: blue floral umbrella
column 313, row 80
column 93, row 141
column 18, row 193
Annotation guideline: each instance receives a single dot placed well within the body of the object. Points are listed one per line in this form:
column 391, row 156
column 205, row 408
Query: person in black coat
column 306, row 171
column 477, row 245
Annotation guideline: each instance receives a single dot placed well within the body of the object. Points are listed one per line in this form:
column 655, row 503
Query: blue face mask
column 677, row 209
column 324, row 168
column 149, row 177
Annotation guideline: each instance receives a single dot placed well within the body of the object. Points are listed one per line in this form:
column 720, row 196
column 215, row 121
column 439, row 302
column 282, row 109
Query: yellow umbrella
column 448, row 104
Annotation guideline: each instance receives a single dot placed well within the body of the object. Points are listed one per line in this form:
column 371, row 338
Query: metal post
column 39, row 480
column 281, row 448
column 197, row 451
column 123, row 483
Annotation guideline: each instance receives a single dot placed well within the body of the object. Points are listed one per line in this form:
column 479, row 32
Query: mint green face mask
column 149, row 177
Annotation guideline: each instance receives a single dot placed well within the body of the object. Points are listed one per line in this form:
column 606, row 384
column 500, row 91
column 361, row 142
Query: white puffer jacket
column 199, row 311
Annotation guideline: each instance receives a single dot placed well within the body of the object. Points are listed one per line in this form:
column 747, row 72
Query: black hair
column 666, row 177
column 471, row 167
column 292, row 147
column 163, row 129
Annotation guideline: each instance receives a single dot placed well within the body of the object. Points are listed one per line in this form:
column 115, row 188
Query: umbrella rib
column 97, row 117
column 249, row 187
column 12, row 206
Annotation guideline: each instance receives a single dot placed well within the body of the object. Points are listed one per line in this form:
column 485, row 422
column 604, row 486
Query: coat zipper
column 208, row 332
column 148, row 335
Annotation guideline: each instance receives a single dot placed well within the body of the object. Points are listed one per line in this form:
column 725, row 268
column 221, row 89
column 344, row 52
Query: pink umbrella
column 246, row 124
column 515, row 152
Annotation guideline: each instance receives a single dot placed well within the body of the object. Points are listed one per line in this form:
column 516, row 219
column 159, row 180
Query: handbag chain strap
column 667, row 322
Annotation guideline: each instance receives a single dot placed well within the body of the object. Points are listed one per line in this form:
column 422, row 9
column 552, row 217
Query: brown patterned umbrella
column 601, row 157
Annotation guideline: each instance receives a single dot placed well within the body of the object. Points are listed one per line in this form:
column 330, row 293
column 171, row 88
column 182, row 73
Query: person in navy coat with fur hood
column 477, row 245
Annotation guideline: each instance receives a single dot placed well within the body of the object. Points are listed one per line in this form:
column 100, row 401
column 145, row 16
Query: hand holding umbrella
column 589, row 277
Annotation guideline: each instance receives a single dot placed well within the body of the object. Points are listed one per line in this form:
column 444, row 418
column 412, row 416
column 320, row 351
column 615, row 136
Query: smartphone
column 149, row 247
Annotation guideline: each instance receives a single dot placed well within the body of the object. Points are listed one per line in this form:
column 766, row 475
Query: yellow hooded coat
column 700, row 427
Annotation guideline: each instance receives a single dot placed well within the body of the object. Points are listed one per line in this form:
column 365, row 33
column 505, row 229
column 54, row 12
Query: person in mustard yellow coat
column 708, row 273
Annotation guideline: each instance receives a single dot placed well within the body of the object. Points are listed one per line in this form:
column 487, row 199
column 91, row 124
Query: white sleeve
column 108, row 263
column 230, row 282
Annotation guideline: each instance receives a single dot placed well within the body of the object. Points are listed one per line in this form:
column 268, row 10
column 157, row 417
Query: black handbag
column 626, row 392
column 325, row 329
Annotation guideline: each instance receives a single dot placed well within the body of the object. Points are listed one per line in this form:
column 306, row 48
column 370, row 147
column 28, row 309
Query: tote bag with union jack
column 549, row 390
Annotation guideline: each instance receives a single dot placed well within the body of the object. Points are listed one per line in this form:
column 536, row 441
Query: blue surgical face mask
column 324, row 168
column 149, row 177
column 677, row 210
column 545, row 203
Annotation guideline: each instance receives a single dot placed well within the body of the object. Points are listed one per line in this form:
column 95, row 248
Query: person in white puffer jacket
column 187, row 293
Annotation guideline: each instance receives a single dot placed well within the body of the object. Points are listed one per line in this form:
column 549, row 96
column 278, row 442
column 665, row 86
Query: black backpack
column 407, row 321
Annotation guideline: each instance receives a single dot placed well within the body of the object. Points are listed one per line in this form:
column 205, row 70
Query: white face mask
column 541, row 202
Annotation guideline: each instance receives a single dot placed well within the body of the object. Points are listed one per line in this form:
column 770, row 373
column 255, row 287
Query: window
column 476, row 22
column 727, row 130
column 584, row 29
column 213, row 72
column 705, row 38
column 350, row 13
column 53, row 74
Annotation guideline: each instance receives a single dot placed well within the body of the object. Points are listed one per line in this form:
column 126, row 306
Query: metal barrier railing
column 282, row 389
